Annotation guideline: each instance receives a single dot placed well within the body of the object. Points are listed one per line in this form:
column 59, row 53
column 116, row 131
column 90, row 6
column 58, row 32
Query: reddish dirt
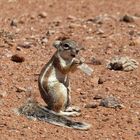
column 103, row 39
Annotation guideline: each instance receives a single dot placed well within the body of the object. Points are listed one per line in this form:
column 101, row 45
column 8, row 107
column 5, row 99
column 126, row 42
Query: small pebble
column 97, row 97
column 82, row 93
column 44, row 40
column 91, row 105
column 132, row 32
column 3, row 94
column 137, row 41
column 96, row 61
column 19, row 48
column 43, row 14
column 70, row 17
column 17, row 58
column 138, row 133
column 14, row 23
column 98, row 20
column 110, row 102
column 21, row 21
column 50, row 32
column 101, row 80
column 8, row 53
column 105, row 119
column 100, row 31
column 127, row 18
column 25, row 45
column 137, row 14
column 131, row 26
column 20, row 89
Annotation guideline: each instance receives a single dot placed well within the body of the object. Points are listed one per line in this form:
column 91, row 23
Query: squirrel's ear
column 57, row 44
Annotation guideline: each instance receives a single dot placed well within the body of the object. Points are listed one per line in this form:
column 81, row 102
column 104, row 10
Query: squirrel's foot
column 72, row 114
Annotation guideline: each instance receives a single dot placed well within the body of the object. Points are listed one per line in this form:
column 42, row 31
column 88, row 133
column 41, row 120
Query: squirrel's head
column 67, row 49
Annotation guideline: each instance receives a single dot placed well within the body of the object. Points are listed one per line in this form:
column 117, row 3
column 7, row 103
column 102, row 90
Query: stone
column 43, row 14
column 18, row 58
column 110, row 102
column 96, row 61
column 97, row 19
column 97, row 97
column 25, row 45
column 127, row 18
column 20, row 89
column 3, row 94
column 44, row 40
column 101, row 80
column 91, row 105
column 14, row 23
column 122, row 63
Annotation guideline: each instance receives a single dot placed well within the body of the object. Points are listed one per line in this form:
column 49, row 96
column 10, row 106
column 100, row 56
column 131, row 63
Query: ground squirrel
column 54, row 87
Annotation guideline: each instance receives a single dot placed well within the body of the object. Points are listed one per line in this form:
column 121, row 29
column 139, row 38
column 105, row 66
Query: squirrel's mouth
column 73, row 55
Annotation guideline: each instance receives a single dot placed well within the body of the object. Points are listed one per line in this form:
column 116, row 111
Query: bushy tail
column 32, row 110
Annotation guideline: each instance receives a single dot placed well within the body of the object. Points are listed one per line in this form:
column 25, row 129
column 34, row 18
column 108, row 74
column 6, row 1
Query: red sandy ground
column 102, row 40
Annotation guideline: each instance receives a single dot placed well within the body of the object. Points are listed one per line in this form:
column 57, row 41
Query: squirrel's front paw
column 77, row 61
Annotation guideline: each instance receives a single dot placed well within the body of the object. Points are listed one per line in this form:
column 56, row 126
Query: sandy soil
column 29, row 27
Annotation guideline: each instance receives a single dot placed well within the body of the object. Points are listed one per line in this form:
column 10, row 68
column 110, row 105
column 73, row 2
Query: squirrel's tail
column 32, row 110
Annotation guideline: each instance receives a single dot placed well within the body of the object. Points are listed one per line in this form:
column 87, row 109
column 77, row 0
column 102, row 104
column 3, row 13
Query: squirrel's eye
column 66, row 46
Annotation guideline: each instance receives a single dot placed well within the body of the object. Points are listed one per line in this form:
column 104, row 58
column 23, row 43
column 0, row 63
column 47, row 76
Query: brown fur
column 54, row 96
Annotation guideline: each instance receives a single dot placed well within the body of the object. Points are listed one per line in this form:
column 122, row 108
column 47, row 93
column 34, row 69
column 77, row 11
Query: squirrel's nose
column 77, row 50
